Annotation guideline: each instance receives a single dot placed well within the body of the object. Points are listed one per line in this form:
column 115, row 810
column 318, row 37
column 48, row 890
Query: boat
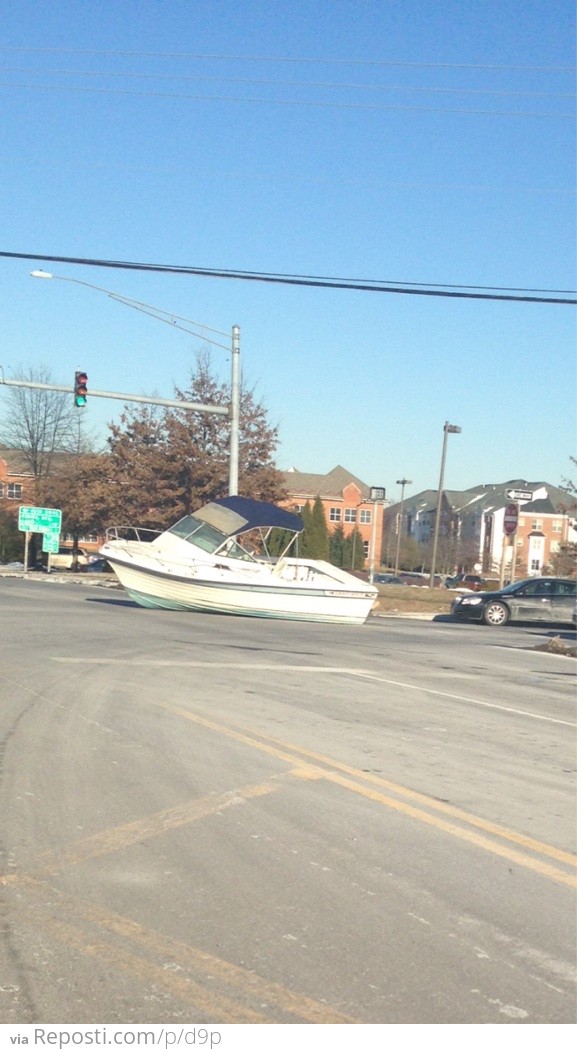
column 221, row 559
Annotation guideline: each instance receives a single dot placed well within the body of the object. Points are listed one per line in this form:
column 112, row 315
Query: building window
column 86, row 537
column 365, row 517
column 555, row 547
column 535, row 565
column 366, row 548
column 537, row 524
column 557, row 526
column 14, row 491
column 351, row 514
column 298, row 508
column 1, row 489
column 335, row 514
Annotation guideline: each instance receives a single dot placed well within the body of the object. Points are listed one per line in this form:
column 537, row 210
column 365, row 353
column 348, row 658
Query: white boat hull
column 153, row 587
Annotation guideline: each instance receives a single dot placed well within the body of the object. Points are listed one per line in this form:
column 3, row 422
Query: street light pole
column 447, row 429
column 172, row 319
column 234, row 413
column 402, row 483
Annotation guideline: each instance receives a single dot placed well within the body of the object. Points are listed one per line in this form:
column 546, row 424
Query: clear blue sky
column 392, row 140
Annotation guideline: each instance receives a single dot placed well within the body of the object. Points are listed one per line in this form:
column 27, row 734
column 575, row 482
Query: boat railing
column 131, row 532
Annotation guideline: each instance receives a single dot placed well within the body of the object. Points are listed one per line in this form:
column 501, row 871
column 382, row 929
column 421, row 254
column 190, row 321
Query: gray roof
column 491, row 498
column 15, row 461
column 540, row 506
column 328, row 486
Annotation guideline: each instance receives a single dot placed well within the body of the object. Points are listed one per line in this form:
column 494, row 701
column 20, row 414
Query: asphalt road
column 225, row 820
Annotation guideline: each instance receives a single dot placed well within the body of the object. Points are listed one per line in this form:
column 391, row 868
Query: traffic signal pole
column 183, row 323
column 186, row 406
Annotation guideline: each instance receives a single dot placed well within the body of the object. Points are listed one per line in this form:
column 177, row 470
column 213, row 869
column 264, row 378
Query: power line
column 290, row 59
column 344, row 284
column 247, row 100
column 332, row 85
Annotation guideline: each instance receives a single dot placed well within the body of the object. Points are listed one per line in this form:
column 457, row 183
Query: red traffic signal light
column 80, row 389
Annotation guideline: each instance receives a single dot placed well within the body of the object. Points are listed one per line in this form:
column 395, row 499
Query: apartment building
column 472, row 526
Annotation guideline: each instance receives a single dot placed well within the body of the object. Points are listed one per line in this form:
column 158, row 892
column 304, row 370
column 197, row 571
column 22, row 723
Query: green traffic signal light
column 80, row 389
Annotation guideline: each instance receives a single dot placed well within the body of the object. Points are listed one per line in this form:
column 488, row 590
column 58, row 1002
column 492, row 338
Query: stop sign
column 510, row 520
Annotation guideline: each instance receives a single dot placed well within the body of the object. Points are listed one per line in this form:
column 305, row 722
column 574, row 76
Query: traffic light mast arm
column 186, row 406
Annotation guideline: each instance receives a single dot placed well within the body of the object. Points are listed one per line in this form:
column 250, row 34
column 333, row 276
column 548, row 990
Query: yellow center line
column 288, row 753
column 182, row 970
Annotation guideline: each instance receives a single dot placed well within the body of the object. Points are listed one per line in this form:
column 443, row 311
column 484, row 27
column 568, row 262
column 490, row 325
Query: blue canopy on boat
column 256, row 514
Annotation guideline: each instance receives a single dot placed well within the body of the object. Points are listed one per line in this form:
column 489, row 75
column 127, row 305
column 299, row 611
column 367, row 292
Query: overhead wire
column 331, row 85
column 525, row 295
column 292, row 59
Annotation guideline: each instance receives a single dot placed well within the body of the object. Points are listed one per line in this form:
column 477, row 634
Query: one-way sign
column 519, row 495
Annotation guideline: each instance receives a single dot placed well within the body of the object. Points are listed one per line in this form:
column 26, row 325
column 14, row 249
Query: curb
column 88, row 579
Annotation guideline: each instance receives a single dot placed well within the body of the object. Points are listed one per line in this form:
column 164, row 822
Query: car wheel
column 495, row 614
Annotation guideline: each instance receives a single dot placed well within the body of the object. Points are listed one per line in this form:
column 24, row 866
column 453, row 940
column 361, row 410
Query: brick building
column 18, row 489
column 16, row 480
column 346, row 501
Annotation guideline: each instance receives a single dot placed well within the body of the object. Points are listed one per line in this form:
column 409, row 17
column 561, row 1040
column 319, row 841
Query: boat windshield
column 201, row 534
column 197, row 532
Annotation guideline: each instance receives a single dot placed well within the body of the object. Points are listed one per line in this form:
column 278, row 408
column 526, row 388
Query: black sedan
column 544, row 598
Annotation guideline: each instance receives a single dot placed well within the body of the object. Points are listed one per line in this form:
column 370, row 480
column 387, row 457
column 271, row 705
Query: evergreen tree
column 314, row 539
column 11, row 539
column 306, row 541
column 354, row 551
column 337, row 546
column 321, row 531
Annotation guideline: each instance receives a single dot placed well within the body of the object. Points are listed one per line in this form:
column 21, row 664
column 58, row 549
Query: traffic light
column 80, row 389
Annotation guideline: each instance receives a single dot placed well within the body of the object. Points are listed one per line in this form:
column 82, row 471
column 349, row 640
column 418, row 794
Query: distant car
column 88, row 561
column 419, row 579
column 388, row 577
column 414, row 579
column 546, row 599
column 465, row 579
column 574, row 615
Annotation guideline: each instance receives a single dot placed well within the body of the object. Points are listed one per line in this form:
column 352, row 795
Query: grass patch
column 401, row 599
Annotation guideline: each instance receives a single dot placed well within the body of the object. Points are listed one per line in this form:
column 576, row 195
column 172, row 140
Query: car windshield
column 533, row 587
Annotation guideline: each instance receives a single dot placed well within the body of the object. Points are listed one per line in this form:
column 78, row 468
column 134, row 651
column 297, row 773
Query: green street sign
column 51, row 542
column 39, row 519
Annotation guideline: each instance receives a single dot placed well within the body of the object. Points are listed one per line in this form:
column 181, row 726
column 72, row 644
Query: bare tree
column 42, row 423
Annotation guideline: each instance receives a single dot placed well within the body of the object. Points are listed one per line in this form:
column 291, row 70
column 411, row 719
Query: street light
column 447, row 429
column 402, row 483
column 173, row 319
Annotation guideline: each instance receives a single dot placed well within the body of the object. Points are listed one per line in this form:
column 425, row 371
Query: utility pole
column 447, row 429
column 234, row 413
column 402, row 483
